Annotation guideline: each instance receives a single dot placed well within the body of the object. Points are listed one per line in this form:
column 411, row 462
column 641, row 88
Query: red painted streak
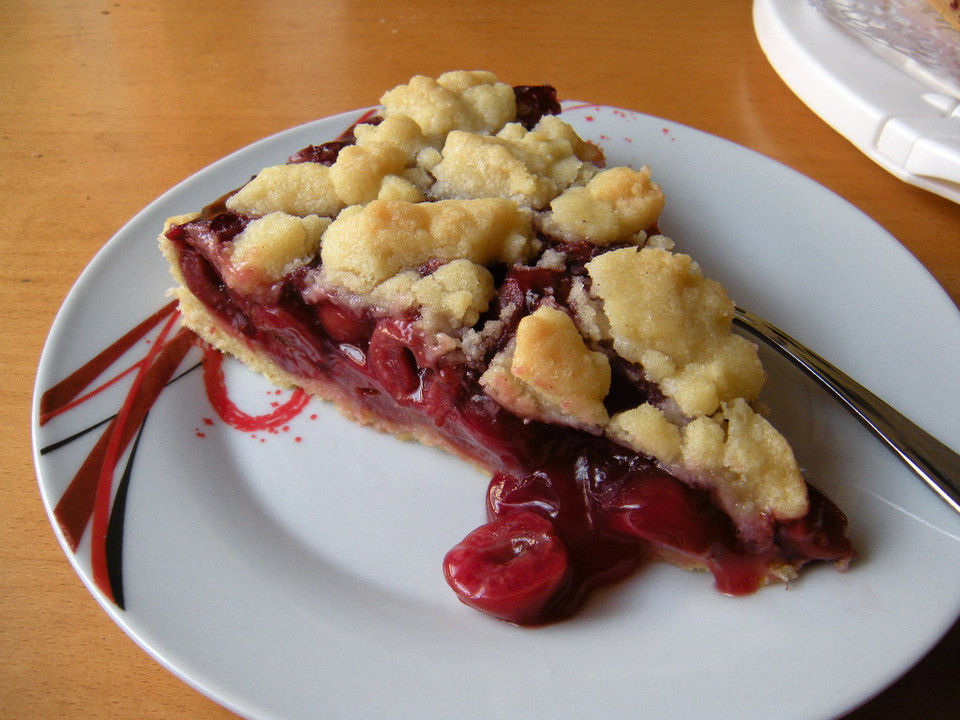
column 215, row 384
column 93, row 393
column 347, row 134
column 76, row 505
column 157, row 368
column 89, row 496
column 372, row 112
column 61, row 397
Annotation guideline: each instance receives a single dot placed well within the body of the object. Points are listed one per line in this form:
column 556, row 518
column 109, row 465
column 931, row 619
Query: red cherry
column 392, row 361
column 820, row 534
column 509, row 568
column 663, row 511
column 342, row 324
column 508, row 493
column 325, row 154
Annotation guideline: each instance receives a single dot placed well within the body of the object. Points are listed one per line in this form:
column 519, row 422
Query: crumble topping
column 648, row 430
column 395, row 187
column 529, row 167
column 474, row 101
column 736, row 452
column 360, row 170
column 271, row 246
column 616, row 204
column 588, row 312
column 550, row 373
column 398, row 131
column 666, row 316
column 382, row 164
column 767, row 478
column 300, row 189
column 367, row 245
column 451, row 297
column 459, row 290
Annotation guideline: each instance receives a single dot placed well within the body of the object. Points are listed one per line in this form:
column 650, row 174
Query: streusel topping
column 271, row 246
column 616, row 204
column 474, row 101
column 665, row 315
column 549, row 373
column 529, row 167
column 367, row 245
column 301, row 189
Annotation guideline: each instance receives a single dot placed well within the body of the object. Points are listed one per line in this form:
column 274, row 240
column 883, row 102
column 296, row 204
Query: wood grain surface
column 105, row 105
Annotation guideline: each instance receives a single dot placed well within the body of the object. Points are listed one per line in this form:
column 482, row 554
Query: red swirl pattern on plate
column 96, row 497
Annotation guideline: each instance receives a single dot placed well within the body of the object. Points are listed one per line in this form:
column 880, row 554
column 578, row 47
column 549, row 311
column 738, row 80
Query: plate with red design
column 280, row 559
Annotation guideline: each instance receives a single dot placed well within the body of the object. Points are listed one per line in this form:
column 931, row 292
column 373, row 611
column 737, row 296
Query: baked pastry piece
column 463, row 270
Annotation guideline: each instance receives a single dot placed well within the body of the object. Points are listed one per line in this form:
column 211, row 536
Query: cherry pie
column 462, row 269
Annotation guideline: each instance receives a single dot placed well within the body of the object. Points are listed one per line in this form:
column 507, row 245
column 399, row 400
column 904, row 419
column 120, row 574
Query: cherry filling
column 535, row 101
column 568, row 511
column 511, row 568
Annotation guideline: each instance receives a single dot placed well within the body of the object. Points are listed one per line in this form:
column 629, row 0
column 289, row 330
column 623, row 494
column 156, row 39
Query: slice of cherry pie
column 462, row 269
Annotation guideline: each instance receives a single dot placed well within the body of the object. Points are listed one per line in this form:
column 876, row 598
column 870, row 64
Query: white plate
column 902, row 117
column 296, row 573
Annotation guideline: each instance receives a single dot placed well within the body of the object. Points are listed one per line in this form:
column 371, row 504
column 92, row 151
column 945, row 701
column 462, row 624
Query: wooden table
column 105, row 105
